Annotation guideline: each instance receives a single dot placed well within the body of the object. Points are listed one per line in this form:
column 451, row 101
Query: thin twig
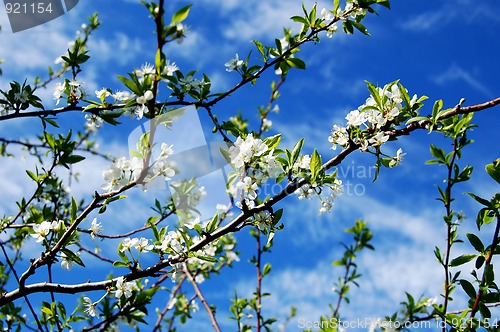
column 201, row 296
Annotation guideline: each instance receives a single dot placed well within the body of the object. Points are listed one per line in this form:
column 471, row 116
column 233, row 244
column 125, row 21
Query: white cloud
column 259, row 19
column 448, row 11
column 457, row 73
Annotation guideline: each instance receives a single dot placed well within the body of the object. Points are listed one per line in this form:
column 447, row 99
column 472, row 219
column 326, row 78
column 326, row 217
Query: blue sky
column 446, row 50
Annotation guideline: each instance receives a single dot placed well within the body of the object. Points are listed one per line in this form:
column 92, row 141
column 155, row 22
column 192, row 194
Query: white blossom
column 355, row 118
column 66, row 264
column 146, row 69
column 95, row 228
column 103, row 93
column 90, row 307
column 143, row 245
column 397, row 159
column 170, row 68
column 123, row 288
column 42, row 230
column 339, row 136
column 249, row 187
column 128, row 243
column 379, row 139
column 234, row 64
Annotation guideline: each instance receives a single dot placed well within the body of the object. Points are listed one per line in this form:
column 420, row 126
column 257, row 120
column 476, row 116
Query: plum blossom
column 234, row 64
column 379, row 139
column 355, row 118
column 263, row 220
column 95, row 228
column 339, row 136
column 128, row 243
column 249, row 187
column 121, row 95
column 244, row 150
column 193, row 222
column 143, row 245
column 21, row 97
column 123, row 288
column 93, row 122
column 327, row 15
column 189, row 83
column 304, row 192
column 326, row 206
column 141, row 101
column 146, row 69
column 66, row 264
column 173, row 240
column 397, row 159
column 170, row 68
column 42, row 230
column 90, row 307
column 331, row 30
column 430, row 302
column 103, row 93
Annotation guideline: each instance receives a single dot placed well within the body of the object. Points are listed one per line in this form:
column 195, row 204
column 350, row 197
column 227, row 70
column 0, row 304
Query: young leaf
column 493, row 170
column 74, row 209
column 460, row 260
column 315, row 165
column 476, row 242
column 181, row 14
column 468, row 288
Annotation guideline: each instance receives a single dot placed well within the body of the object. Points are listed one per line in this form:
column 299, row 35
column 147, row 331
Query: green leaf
column 52, row 122
column 212, row 225
column 296, row 151
column 120, row 264
column 299, row 19
column 32, row 175
column 277, row 216
column 74, row 209
column 468, row 288
column 181, row 14
column 73, row 159
column 489, row 275
column 315, row 165
column 484, row 217
column 476, row 242
column 266, row 269
column 480, row 200
column 374, row 93
column 296, row 63
column 272, row 141
column 154, row 229
column 260, row 48
column 361, row 28
column 460, row 260
column 493, row 170
column 71, row 256
column 438, row 105
column 438, row 153
column 129, row 84
column 336, row 4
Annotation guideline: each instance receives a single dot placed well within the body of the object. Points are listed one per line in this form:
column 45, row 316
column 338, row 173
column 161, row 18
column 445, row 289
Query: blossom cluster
column 124, row 170
column 367, row 125
column 73, row 90
column 255, row 163
column 43, row 229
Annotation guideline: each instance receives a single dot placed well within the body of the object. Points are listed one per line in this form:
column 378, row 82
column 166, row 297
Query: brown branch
column 169, row 303
column 201, row 297
column 487, row 263
column 230, row 227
